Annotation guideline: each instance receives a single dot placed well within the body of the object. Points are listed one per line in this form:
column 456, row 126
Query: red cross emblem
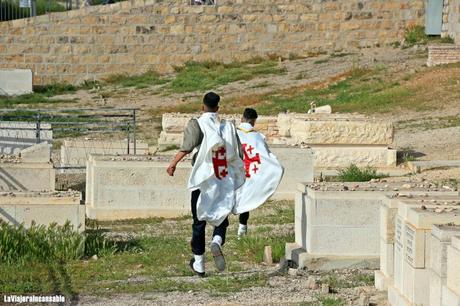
column 219, row 162
column 248, row 161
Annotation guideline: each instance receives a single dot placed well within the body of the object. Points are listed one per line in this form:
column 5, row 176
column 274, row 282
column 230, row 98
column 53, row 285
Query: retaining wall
column 135, row 36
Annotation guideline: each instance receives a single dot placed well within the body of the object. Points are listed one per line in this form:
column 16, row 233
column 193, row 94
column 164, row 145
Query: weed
column 138, row 81
column 447, row 40
column 415, row 34
column 202, row 76
column 354, row 174
column 321, row 61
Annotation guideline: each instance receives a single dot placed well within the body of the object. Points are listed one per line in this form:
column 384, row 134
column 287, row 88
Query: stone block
column 449, row 298
column 27, row 176
column 440, row 239
column 74, row 153
column 289, row 248
column 42, row 208
column 15, row 82
column 386, row 258
column 39, row 153
column 350, row 132
column 398, row 256
column 341, row 223
column 300, row 221
column 453, row 266
column 396, row 298
column 425, row 218
column 135, row 187
column 381, row 281
column 416, row 284
column 329, row 263
column 334, row 156
column 298, row 167
column 436, row 282
column 414, row 246
column 16, row 136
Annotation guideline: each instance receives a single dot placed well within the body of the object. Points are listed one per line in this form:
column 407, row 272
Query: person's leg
column 244, row 217
column 218, row 241
column 243, row 226
column 198, row 237
column 221, row 231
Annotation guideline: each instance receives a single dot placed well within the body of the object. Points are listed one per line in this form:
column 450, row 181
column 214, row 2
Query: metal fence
column 17, row 9
column 22, row 128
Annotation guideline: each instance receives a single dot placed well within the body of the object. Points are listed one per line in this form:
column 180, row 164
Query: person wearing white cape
column 262, row 168
column 217, row 172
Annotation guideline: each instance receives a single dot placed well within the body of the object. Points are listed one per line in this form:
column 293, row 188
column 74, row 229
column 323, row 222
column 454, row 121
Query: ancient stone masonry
column 42, row 208
column 451, row 20
column 443, row 54
column 136, row 36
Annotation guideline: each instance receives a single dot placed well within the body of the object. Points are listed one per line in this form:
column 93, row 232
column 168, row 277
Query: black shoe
column 200, row 274
column 219, row 259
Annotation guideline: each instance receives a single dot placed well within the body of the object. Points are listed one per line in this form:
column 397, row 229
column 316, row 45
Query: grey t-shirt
column 193, row 137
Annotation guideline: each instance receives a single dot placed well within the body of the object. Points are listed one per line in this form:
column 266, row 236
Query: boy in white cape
column 217, row 172
column 262, row 169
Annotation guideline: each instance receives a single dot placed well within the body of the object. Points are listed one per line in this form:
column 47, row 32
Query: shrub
column 415, row 34
column 354, row 174
column 54, row 243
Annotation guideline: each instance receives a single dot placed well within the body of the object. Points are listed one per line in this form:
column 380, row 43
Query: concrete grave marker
column 15, row 82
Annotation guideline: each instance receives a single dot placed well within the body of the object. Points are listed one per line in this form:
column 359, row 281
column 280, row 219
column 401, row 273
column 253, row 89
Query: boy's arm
column 172, row 167
column 192, row 139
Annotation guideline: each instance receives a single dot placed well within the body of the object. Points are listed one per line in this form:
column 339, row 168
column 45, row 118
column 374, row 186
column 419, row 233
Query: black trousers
column 244, row 218
column 199, row 229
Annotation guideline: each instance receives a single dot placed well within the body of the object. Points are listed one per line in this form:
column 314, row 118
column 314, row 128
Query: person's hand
column 171, row 169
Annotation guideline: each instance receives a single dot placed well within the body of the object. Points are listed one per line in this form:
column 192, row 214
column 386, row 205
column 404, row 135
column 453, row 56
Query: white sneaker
column 242, row 230
column 216, row 250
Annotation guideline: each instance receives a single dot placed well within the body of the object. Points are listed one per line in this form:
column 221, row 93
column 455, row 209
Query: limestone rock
column 311, row 283
column 268, row 259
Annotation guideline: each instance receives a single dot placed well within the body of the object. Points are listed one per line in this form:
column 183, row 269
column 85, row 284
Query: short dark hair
column 211, row 100
column 250, row 114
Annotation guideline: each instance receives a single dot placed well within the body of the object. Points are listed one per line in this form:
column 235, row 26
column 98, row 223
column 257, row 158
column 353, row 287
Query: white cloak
column 263, row 171
column 218, row 169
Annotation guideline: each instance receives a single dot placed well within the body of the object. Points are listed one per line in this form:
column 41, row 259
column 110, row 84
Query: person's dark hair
column 250, row 114
column 211, row 100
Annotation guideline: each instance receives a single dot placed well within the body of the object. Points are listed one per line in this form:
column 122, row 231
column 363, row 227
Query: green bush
column 354, row 174
column 54, row 243
column 415, row 35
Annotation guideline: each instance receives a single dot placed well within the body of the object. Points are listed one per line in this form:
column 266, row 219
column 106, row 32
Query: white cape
column 263, row 171
column 218, row 170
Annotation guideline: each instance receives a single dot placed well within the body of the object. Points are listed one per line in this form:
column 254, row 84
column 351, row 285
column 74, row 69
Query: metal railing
column 21, row 128
column 17, row 9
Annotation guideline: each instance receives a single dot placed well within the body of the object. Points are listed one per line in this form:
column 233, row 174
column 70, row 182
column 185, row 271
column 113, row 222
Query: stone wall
column 443, row 54
column 136, row 36
column 451, row 20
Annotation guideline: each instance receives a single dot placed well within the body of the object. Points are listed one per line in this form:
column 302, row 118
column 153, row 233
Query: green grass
column 134, row 256
column 362, row 92
column 356, row 280
column 201, row 76
column 278, row 212
column 144, row 80
column 415, row 35
column 252, row 247
column 355, row 174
